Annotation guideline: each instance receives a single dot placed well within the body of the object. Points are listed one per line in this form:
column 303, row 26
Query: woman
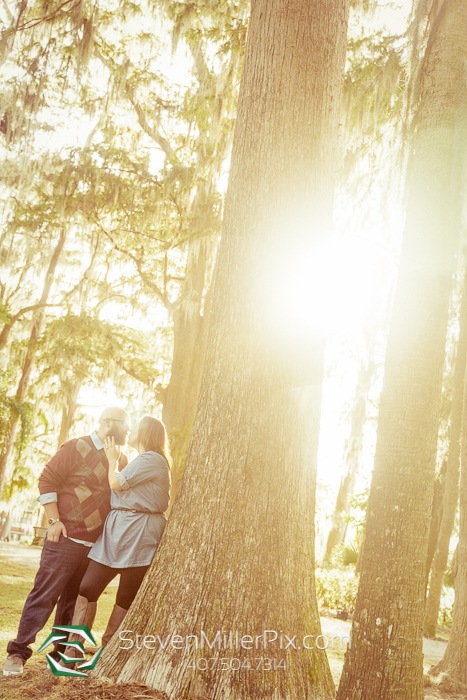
column 140, row 494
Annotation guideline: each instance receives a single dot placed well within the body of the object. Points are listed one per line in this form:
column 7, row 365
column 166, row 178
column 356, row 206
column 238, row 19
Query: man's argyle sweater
column 79, row 475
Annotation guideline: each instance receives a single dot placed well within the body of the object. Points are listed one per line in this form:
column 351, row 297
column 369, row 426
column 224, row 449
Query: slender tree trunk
column 191, row 324
column 191, row 315
column 38, row 321
column 69, row 406
column 454, row 661
column 451, row 488
column 352, row 457
column 237, row 554
column 5, row 334
column 435, row 520
column 385, row 660
column 70, row 403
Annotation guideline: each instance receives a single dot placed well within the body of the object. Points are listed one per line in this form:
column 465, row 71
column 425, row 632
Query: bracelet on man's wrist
column 52, row 521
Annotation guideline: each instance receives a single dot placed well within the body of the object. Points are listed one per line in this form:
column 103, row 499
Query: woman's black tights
column 98, row 576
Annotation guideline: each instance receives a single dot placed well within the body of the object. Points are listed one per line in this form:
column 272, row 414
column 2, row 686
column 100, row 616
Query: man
column 74, row 490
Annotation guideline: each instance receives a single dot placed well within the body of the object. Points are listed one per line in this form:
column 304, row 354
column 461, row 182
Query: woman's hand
column 112, row 451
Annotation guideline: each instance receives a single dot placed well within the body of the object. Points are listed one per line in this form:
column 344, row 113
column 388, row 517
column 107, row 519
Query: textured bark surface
column 238, row 552
column 451, row 487
column 385, row 660
column 454, row 661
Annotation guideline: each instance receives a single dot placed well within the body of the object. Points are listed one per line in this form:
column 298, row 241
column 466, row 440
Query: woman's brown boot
column 113, row 624
column 84, row 614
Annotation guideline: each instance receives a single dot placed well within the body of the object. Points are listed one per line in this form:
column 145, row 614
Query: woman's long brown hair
column 152, row 435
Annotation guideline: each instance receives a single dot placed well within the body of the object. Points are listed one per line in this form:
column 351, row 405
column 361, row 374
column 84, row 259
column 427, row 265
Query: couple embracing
column 106, row 517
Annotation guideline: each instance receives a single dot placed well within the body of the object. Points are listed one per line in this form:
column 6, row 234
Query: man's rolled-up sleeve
column 45, row 498
column 122, row 481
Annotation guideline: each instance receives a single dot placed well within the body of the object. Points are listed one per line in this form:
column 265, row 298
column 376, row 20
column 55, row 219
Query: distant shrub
column 336, row 589
column 349, row 554
column 446, row 608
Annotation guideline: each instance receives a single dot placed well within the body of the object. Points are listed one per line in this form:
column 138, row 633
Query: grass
column 16, row 581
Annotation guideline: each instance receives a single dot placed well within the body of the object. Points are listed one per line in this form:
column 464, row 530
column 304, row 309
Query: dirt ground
column 433, row 649
column 37, row 682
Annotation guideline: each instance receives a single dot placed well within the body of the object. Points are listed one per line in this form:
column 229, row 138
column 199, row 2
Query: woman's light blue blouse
column 131, row 539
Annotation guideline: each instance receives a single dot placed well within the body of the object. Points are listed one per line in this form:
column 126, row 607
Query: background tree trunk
column 237, row 554
column 69, row 406
column 451, row 488
column 385, row 660
column 190, row 340
column 38, row 321
column 454, row 661
column 352, row 457
column 436, row 517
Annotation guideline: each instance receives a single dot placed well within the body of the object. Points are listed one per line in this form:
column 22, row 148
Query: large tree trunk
column 38, row 322
column 386, row 659
column 352, row 457
column 451, row 483
column 454, row 661
column 237, row 554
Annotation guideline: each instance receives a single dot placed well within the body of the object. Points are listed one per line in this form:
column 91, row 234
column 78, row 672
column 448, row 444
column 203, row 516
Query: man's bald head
column 115, row 413
column 114, row 422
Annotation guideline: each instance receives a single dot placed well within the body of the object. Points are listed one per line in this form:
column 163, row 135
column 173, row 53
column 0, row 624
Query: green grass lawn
column 16, row 580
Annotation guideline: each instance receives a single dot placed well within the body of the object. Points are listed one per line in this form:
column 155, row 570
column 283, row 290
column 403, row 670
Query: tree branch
column 34, row 22
column 6, row 330
column 152, row 132
column 135, row 375
column 204, row 74
column 4, row 335
column 139, row 266
column 78, row 286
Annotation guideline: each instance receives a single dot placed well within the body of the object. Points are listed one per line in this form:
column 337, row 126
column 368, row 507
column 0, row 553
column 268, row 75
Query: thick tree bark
column 451, row 483
column 454, row 661
column 36, row 330
column 237, row 553
column 352, row 457
column 386, row 660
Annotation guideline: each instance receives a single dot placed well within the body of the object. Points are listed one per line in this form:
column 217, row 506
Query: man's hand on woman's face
column 112, row 451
